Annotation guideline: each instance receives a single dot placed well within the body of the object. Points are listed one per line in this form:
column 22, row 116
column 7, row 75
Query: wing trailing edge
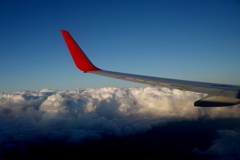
column 218, row 94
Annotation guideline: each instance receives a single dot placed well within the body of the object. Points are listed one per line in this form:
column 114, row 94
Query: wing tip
column 80, row 59
column 63, row 31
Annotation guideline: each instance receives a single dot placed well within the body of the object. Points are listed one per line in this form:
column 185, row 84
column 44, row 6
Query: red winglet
column 80, row 59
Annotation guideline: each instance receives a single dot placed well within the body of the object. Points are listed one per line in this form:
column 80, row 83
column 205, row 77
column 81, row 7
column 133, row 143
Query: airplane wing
column 218, row 94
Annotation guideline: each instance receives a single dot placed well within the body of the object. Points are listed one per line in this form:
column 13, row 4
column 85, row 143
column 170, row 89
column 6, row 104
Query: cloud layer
column 225, row 148
column 72, row 117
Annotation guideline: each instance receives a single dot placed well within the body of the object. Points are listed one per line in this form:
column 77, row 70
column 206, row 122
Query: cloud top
column 73, row 117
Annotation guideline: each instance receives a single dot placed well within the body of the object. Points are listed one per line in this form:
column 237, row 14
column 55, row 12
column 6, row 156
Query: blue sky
column 192, row 40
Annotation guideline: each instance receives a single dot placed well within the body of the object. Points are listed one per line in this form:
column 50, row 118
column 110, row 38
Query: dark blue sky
column 192, row 40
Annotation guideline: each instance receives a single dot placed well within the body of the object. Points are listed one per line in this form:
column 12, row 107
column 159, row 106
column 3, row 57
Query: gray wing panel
column 202, row 87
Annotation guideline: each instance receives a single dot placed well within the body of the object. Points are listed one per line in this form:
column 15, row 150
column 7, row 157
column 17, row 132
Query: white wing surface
column 218, row 94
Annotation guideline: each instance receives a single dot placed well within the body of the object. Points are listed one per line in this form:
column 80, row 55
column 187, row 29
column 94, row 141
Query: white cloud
column 75, row 116
column 227, row 147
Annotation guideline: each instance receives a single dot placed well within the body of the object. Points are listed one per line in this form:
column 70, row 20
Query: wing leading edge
column 218, row 94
